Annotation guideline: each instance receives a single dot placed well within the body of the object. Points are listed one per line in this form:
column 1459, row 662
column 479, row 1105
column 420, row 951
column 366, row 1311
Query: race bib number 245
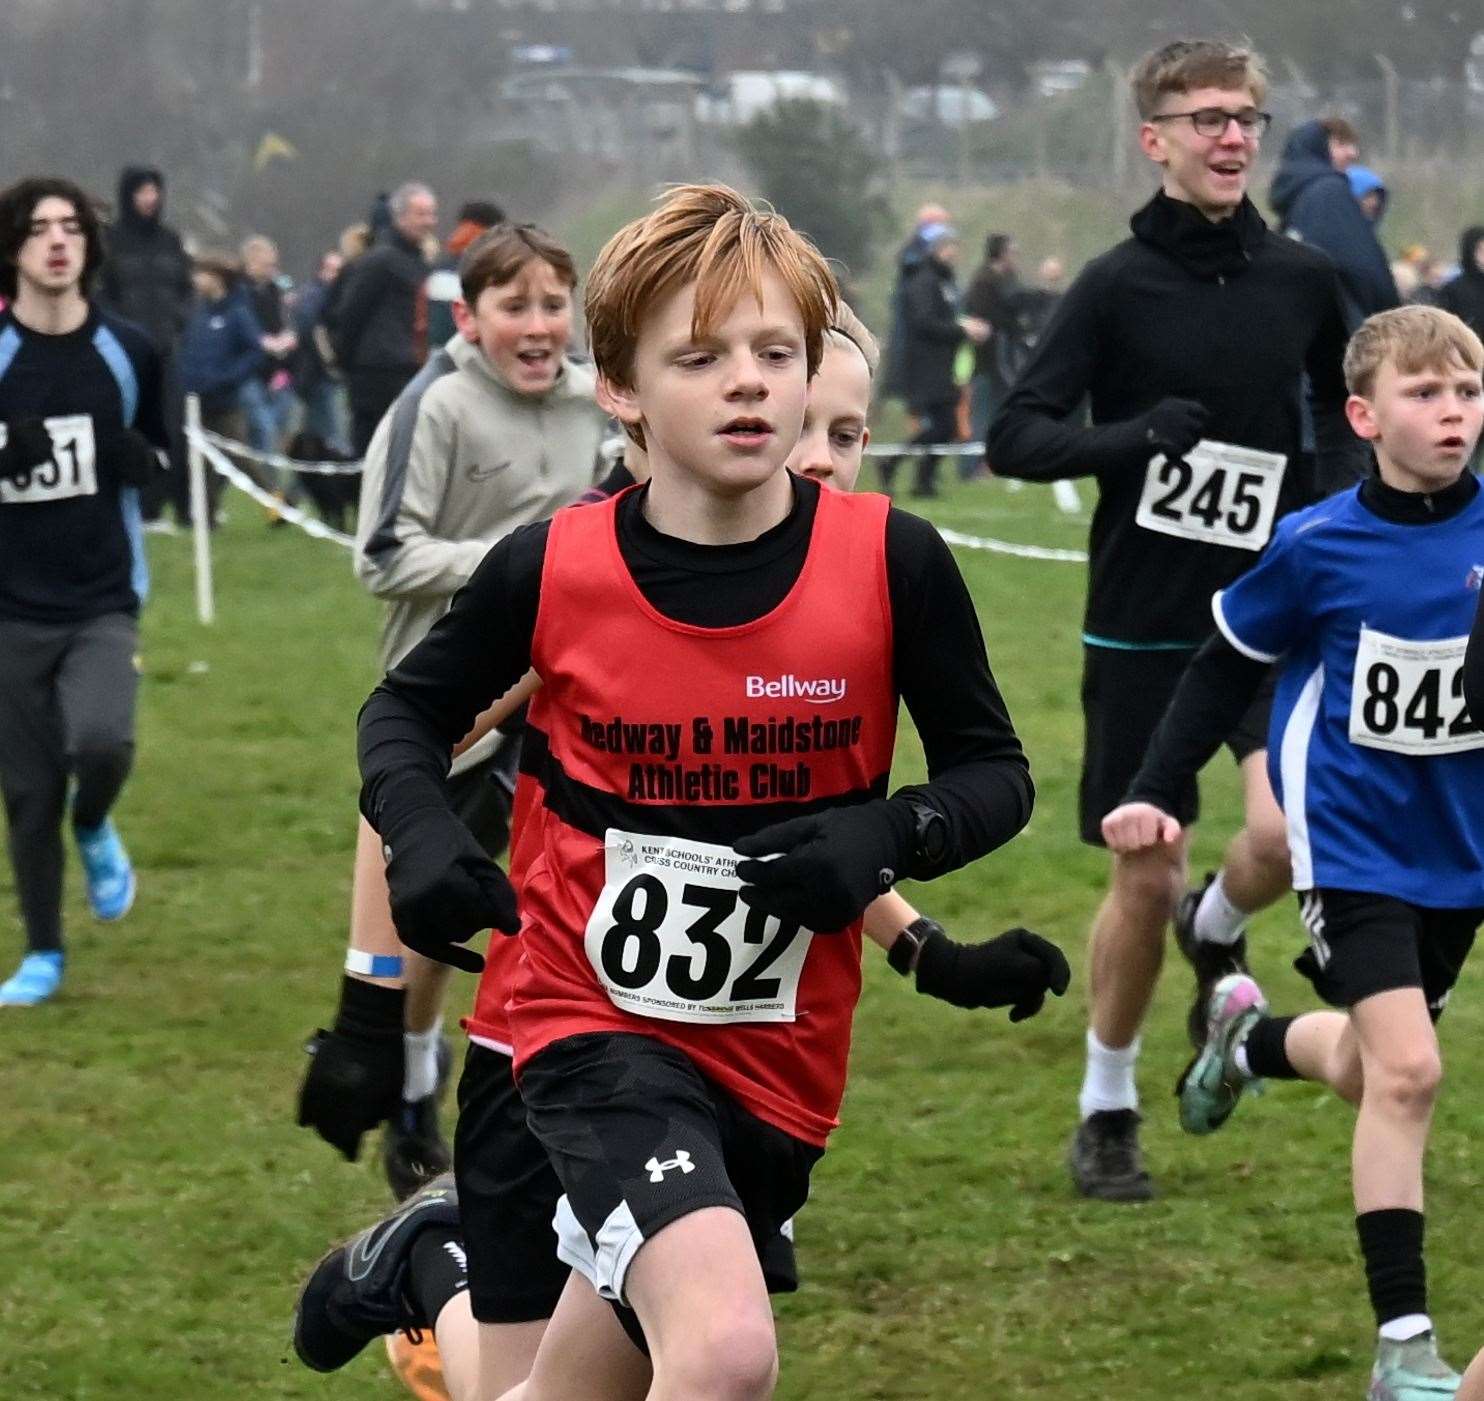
column 1217, row 493
column 670, row 938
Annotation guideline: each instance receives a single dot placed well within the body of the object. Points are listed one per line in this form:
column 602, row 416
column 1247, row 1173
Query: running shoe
column 1411, row 1371
column 417, row 1366
column 1105, row 1160
column 413, row 1149
column 36, row 980
column 110, row 873
column 1212, row 1084
column 1210, row 961
column 360, row 1289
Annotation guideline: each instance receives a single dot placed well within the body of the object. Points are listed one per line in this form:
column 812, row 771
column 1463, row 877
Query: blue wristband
column 373, row 965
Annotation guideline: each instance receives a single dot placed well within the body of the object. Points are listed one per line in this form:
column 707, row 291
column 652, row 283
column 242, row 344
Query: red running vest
column 651, row 747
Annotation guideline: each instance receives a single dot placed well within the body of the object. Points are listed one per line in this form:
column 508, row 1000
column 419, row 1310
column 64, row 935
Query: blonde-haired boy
column 721, row 654
column 1365, row 602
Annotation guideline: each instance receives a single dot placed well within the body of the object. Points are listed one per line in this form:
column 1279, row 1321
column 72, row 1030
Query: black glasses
column 1213, row 121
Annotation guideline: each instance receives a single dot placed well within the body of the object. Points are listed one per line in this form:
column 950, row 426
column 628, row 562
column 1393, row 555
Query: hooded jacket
column 1315, row 205
column 460, row 462
column 1464, row 296
column 146, row 276
column 1228, row 314
column 220, row 350
column 930, row 335
column 893, row 371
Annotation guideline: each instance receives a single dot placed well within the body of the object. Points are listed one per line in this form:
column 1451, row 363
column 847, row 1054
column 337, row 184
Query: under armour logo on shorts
column 658, row 1169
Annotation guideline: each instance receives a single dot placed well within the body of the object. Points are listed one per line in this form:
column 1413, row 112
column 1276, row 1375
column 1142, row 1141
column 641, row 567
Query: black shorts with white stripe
column 1361, row 944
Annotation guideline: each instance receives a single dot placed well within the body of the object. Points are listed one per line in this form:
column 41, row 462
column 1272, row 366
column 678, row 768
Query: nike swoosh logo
column 483, row 474
column 366, row 1249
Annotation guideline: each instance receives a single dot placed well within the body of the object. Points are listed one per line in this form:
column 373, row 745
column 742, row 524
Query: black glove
column 354, row 1078
column 1174, row 426
column 1015, row 969
column 444, row 888
column 27, row 446
column 131, row 454
column 833, row 864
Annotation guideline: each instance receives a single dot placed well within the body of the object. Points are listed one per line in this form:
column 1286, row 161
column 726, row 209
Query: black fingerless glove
column 27, row 446
column 444, row 889
column 354, row 1078
column 832, row 866
column 1015, row 969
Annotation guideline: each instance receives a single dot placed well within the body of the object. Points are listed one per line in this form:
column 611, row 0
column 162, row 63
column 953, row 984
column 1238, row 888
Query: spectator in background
column 993, row 297
column 475, row 217
column 380, row 317
column 1369, row 190
column 1312, row 197
column 267, row 397
column 1464, row 295
column 146, row 279
column 220, row 351
column 315, row 382
column 930, row 337
column 911, row 256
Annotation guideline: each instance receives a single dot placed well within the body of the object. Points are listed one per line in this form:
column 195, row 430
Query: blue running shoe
column 109, row 871
column 38, row 978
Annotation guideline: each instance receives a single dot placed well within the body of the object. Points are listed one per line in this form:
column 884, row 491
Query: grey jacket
column 459, row 462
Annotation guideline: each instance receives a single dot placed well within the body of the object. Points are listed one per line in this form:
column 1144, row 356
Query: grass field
column 160, row 1208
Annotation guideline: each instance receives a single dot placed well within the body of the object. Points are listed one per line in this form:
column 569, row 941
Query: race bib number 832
column 670, row 938
column 1217, row 492
column 1408, row 696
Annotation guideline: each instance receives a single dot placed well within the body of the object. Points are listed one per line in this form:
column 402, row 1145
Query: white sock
column 1239, row 1058
column 420, row 1072
column 1109, row 1080
column 1411, row 1325
column 1217, row 920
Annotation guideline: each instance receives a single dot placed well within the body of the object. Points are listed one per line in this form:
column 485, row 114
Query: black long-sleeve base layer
column 978, row 775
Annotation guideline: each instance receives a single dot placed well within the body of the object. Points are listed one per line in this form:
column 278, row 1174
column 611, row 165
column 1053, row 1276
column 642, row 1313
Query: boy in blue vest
column 1365, row 603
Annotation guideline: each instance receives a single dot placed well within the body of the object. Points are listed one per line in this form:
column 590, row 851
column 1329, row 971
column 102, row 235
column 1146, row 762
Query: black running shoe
column 413, row 1149
column 1210, row 962
column 359, row 1290
column 1105, row 1160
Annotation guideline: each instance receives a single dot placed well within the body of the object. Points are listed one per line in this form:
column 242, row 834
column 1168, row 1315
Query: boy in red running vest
column 722, row 651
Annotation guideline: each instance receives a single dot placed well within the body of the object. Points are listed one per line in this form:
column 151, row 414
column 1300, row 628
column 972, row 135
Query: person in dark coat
column 146, row 279
column 909, row 258
column 993, row 297
column 1314, row 203
column 1464, row 295
column 932, row 334
column 380, row 316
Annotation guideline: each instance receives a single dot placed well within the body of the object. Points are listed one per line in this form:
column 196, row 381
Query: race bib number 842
column 670, row 938
column 1408, row 696
column 71, row 470
column 1217, row 492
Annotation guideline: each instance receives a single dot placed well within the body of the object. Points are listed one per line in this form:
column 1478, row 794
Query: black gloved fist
column 1174, row 426
column 444, row 889
column 833, row 864
column 27, row 446
column 354, row 1078
column 1015, row 969
column 132, row 456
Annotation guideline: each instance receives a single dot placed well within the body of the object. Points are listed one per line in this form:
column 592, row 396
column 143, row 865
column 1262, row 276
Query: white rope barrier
column 1004, row 547
column 310, row 525
column 278, row 461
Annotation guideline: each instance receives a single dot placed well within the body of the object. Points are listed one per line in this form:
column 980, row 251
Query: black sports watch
column 906, row 949
column 929, row 837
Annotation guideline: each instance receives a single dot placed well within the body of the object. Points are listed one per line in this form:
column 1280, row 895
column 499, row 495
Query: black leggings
column 66, row 714
column 937, row 424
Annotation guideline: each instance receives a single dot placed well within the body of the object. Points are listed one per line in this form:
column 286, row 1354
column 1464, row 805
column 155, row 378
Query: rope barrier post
column 200, row 511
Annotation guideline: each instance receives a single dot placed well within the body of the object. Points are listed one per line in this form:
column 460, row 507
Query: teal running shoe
column 37, row 979
column 109, row 871
column 1411, row 1371
column 1212, row 1084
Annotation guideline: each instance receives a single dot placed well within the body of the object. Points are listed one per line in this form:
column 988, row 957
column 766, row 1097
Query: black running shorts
column 639, row 1138
column 508, row 1195
column 1361, row 944
column 482, row 796
column 1124, row 697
